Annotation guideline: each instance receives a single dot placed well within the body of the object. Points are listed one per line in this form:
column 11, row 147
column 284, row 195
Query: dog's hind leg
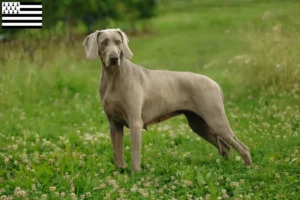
column 199, row 126
column 213, row 114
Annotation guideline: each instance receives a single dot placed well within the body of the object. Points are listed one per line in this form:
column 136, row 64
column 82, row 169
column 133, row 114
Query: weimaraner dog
column 136, row 97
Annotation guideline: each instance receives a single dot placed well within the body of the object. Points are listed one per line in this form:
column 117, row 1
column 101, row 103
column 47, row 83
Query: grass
column 54, row 138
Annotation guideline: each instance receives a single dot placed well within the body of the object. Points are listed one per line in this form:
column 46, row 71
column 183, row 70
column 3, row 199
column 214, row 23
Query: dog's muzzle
column 113, row 59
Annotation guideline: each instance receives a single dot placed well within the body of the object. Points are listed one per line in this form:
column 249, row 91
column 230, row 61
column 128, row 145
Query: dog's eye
column 104, row 43
column 118, row 42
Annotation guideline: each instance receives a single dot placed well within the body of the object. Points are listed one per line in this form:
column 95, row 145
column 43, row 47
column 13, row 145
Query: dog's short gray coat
column 136, row 97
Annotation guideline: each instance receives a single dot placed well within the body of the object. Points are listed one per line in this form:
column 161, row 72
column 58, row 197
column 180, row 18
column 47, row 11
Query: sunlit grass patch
column 273, row 59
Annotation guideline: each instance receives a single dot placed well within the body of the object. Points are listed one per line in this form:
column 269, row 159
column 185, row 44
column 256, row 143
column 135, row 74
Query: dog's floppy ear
column 126, row 51
column 90, row 44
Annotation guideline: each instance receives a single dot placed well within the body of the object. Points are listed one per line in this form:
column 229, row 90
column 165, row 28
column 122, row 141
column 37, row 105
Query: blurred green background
column 75, row 17
column 54, row 139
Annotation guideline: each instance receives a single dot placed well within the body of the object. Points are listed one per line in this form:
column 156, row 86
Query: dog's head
column 109, row 44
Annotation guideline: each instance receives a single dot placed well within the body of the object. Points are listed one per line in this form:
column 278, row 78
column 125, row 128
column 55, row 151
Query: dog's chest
column 114, row 108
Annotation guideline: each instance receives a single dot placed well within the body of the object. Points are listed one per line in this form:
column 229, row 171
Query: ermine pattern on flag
column 21, row 15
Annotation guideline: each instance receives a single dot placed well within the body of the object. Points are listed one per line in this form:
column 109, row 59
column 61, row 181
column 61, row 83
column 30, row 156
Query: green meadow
column 54, row 137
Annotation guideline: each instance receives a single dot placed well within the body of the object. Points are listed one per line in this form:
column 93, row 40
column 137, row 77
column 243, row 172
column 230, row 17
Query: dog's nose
column 113, row 58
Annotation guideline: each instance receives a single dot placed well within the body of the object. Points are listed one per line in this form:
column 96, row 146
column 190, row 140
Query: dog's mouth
column 113, row 65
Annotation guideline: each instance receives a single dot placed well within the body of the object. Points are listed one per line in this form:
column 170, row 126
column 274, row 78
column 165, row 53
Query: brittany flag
column 21, row 15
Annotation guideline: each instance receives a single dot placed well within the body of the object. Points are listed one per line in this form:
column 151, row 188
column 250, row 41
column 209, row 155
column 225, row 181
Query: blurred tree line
column 90, row 11
column 64, row 15
column 64, row 20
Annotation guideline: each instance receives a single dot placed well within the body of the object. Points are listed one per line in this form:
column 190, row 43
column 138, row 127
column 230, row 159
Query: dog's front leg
column 117, row 138
column 136, row 126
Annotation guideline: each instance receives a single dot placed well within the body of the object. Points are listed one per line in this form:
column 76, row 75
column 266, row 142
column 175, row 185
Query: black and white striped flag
column 21, row 15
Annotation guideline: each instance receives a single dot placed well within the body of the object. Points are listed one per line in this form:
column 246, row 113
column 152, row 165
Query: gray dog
column 136, row 97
